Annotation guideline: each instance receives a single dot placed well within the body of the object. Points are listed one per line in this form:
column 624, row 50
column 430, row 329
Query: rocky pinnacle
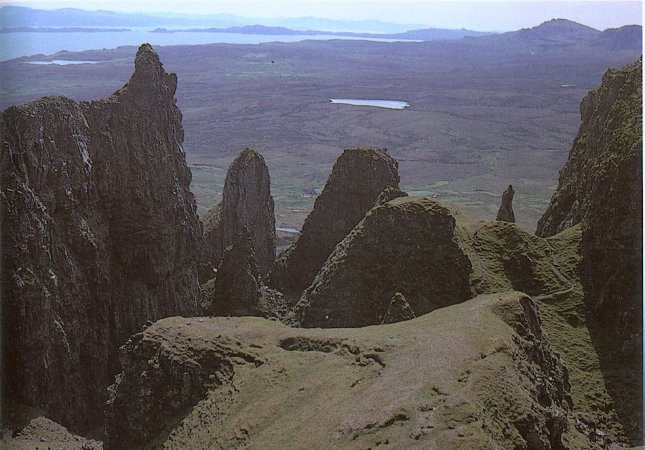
column 246, row 202
column 505, row 213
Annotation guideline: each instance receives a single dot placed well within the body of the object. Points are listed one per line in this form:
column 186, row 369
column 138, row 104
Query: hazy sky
column 479, row 15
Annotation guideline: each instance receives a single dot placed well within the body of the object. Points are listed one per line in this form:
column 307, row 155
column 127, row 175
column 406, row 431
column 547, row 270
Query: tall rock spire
column 246, row 203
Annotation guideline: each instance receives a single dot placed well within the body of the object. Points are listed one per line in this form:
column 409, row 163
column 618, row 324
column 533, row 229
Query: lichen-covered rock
column 398, row 310
column 505, row 213
column 99, row 235
column 235, row 291
column 246, row 202
column 408, row 245
column 357, row 179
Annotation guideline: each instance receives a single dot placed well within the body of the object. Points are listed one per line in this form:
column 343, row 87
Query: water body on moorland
column 389, row 104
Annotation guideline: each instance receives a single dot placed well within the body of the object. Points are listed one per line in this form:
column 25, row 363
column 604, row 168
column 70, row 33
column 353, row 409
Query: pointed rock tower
column 357, row 179
column 246, row 202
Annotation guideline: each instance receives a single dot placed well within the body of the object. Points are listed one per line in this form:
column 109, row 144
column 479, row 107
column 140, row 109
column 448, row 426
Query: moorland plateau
column 484, row 112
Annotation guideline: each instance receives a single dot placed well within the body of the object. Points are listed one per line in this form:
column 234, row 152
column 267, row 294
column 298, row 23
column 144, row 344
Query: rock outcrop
column 99, row 235
column 398, row 311
column 480, row 374
column 246, row 202
column 408, row 245
column 608, row 138
column 600, row 187
column 357, row 179
column 389, row 193
column 505, row 213
column 235, row 290
column 179, row 370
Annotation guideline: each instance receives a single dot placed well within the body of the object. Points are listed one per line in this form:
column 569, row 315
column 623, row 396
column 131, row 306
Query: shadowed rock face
column 601, row 186
column 99, row 235
column 235, row 290
column 505, row 213
column 357, row 179
column 246, row 202
column 408, row 245
column 607, row 137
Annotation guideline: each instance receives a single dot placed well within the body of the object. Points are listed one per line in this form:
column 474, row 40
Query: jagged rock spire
column 505, row 213
column 246, row 202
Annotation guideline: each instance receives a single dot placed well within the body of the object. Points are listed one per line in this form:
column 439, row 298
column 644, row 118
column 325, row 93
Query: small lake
column 287, row 230
column 62, row 62
column 389, row 104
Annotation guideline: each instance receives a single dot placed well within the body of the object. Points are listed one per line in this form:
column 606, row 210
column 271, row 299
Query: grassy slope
column 437, row 381
column 503, row 255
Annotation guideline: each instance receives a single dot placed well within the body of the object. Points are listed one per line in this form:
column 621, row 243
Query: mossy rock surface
column 407, row 245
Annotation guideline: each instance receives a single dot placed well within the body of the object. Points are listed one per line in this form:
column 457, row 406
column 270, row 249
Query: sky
column 482, row 15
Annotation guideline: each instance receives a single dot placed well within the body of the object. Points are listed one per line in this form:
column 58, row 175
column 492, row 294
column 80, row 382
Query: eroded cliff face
column 408, row 245
column 246, row 203
column 607, row 148
column 99, row 235
column 358, row 177
column 601, row 188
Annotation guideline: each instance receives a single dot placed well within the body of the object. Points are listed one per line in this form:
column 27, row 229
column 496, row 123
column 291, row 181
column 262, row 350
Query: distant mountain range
column 563, row 32
column 18, row 16
column 424, row 34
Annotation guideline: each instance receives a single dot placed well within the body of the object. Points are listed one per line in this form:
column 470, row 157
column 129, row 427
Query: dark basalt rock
column 99, row 235
column 389, row 193
column 357, row 179
column 408, row 245
column 505, row 213
column 235, row 290
column 246, row 202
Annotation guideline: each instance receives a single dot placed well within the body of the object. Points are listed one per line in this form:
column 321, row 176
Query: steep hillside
column 601, row 187
column 606, row 148
column 99, row 235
